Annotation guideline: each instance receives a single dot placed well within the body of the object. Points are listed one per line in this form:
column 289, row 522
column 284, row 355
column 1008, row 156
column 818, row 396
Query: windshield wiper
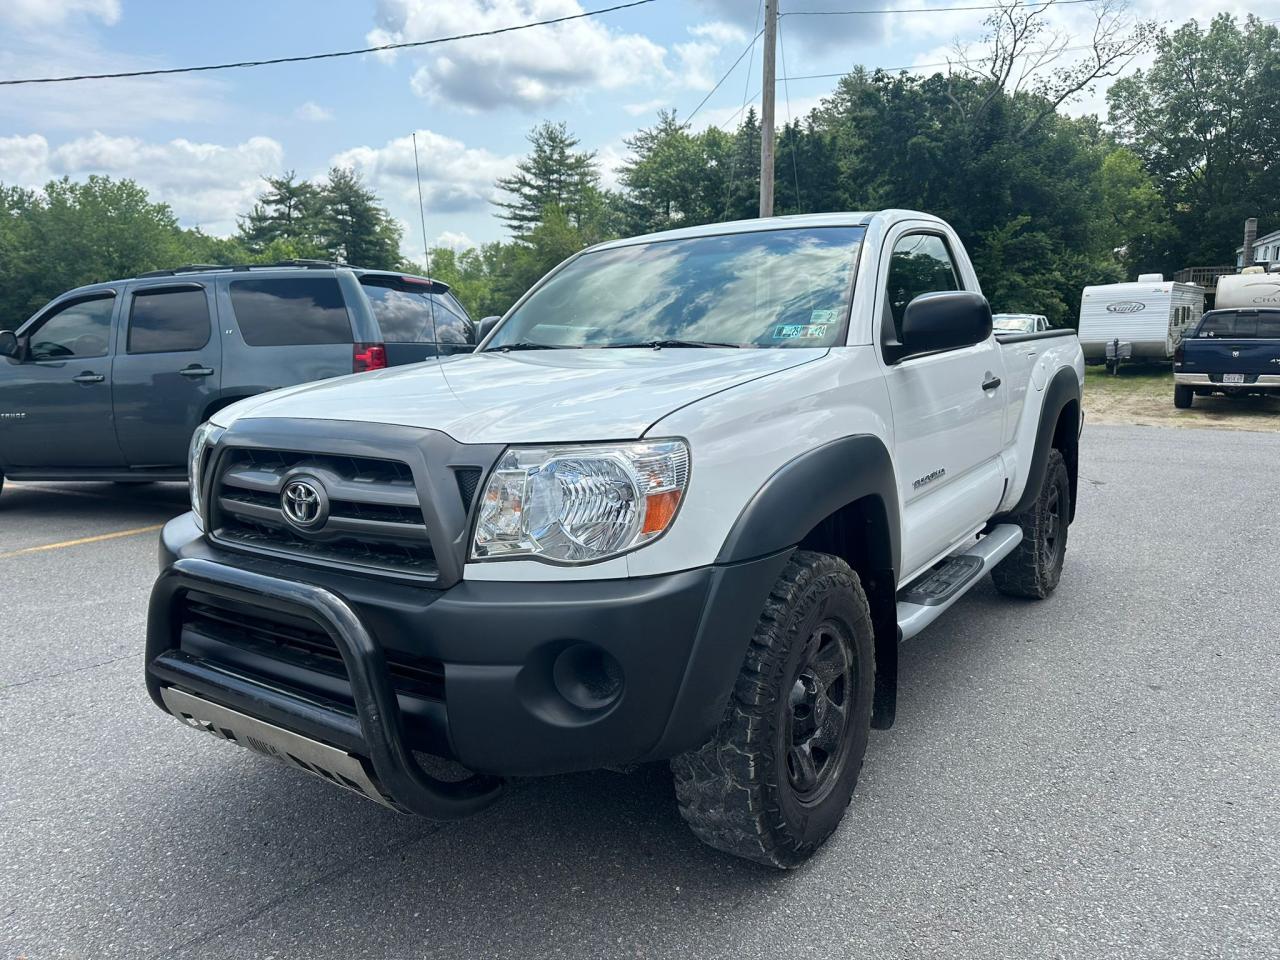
column 525, row 345
column 659, row 344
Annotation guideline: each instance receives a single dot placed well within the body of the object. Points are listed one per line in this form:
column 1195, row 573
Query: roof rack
column 206, row 267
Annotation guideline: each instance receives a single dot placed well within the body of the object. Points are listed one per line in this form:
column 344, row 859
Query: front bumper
column 538, row 678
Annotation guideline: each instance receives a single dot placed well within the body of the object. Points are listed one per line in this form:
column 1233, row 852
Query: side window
column 284, row 311
column 404, row 316
column 77, row 330
column 920, row 263
column 169, row 320
column 452, row 323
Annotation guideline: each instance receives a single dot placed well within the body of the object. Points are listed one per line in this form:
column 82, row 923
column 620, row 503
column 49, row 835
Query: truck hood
column 552, row 396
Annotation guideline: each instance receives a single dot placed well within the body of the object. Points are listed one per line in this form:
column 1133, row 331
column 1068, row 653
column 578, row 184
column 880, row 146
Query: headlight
column 578, row 504
column 206, row 436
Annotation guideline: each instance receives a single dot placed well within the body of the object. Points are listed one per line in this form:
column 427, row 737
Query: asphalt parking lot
column 1096, row 775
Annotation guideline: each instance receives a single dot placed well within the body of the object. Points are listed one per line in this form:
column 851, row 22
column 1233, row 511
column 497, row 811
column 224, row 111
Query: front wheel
column 1183, row 396
column 773, row 783
column 1035, row 566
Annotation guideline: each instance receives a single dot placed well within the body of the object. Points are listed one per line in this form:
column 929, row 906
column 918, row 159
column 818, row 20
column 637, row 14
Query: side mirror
column 486, row 327
column 8, row 344
column 944, row 321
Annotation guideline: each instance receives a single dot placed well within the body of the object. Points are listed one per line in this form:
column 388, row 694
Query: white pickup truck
column 683, row 503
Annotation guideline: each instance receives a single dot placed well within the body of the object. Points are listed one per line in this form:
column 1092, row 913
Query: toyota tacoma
column 683, row 504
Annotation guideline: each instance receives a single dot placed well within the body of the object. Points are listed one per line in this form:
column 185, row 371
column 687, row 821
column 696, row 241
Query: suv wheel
column 1182, row 396
column 774, row 781
column 1035, row 566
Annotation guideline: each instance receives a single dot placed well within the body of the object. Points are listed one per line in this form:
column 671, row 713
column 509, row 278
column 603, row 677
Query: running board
column 929, row 597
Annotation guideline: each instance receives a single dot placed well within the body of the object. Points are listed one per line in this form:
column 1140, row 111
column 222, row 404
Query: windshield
column 1014, row 323
column 1241, row 325
column 771, row 288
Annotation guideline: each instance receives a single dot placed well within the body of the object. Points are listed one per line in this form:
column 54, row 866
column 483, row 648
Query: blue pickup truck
column 1233, row 352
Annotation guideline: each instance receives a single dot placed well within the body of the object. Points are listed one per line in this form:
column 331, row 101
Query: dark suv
column 108, row 381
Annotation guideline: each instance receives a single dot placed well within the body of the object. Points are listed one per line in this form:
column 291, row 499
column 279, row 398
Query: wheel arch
column 840, row 498
column 1058, row 429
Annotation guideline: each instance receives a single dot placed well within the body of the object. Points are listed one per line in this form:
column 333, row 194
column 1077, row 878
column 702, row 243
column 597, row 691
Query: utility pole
column 766, row 108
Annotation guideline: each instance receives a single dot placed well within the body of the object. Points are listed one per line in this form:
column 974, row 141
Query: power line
column 1003, row 6
column 749, row 47
column 327, row 56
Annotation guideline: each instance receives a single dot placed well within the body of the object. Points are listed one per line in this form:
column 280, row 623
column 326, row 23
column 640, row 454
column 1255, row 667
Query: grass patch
column 1143, row 395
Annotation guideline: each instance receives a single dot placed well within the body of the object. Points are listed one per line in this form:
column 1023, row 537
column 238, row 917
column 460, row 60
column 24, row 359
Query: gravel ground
column 1091, row 776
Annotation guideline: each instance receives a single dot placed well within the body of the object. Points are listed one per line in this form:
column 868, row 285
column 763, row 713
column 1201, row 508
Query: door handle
column 990, row 384
column 195, row 371
column 89, row 377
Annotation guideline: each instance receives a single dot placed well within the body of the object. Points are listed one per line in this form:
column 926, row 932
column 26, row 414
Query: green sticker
column 822, row 316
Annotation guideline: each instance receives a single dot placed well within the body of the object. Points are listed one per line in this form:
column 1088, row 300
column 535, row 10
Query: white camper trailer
column 1141, row 321
column 1249, row 289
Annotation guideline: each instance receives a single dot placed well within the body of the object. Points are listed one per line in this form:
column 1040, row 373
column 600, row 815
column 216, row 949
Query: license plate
column 1233, row 378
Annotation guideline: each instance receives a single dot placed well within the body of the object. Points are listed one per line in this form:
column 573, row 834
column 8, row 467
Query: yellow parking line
column 82, row 540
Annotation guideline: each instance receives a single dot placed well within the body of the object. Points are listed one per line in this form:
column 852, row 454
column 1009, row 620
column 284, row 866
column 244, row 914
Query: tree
column 354, row 226
column 288, row 210
column 1204, row 121
column 553, row 174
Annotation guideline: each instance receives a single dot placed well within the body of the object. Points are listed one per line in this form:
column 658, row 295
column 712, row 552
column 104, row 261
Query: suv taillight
column 1178, row 353
column 368, row 356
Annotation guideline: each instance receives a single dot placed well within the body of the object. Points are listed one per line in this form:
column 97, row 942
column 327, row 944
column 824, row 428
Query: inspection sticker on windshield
column 801, row 331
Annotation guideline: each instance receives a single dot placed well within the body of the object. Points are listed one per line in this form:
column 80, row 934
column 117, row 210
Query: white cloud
column 454, row 240
column 720, row 32
column 206, row 184
column 37, row 14
column 120, row 105
column 455, row 177
column 528, row 68
column 647, row 106
column 313, row 112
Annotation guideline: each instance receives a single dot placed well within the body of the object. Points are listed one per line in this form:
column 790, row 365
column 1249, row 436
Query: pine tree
column 554, row 174
column 355, row 227
column 286, row 211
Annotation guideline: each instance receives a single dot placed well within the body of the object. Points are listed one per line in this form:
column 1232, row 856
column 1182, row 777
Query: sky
column 202, row 142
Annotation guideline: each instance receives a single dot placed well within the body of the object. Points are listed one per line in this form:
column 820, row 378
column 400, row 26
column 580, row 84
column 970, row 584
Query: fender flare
column 806, row 491
column 811, row 487
column 1063, row 388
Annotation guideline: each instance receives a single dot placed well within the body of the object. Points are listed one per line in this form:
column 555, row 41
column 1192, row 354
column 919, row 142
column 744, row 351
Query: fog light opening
column 587, row 677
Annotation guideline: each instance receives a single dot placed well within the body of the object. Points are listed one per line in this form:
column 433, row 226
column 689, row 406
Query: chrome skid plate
column 336, row 766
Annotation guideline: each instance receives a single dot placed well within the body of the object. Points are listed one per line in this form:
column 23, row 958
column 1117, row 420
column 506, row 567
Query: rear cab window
column 1240, row 325
column 290, row 311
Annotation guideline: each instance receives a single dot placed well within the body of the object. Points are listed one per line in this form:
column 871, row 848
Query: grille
column 374, row 517
column 300, row 642
column 468, row 479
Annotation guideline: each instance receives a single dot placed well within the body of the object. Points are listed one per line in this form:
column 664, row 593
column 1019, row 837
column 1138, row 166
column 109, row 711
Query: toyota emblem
column 303, row 504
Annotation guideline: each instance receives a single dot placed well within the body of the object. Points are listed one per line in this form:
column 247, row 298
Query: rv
column 1139, row 321
column 1249, row 289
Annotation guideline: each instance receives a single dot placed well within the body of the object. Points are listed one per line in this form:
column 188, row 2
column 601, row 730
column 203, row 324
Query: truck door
column 948, row 408
column 168, row 370
column 55, row 405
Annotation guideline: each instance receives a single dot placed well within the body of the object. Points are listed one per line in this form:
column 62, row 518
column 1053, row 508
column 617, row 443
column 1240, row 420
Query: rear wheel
column 1183, row 396
column 1035, row 566
column 773, row 783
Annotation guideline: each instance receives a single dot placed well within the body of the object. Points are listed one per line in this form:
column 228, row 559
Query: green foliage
column 337, row 219
column 554, row 174
column 1203, row 119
